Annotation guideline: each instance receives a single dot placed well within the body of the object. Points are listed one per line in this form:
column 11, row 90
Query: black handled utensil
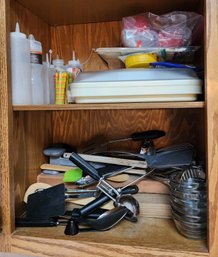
column 105, row 221
column 96, row 145
column 137, row 136
column 109, row 192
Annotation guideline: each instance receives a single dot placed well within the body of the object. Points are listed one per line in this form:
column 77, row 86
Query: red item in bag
column 175, row 29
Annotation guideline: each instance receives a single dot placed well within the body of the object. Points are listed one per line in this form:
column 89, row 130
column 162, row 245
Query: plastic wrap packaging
column 175, row 29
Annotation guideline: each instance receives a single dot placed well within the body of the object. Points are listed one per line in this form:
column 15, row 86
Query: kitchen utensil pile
column 98, row 166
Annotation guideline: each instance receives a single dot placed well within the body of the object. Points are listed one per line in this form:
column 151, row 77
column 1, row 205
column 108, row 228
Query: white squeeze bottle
column 45, row 80
column 58, row 64
column 36, row 71
column 74, row 67
column 52, row 88
column 20, row 68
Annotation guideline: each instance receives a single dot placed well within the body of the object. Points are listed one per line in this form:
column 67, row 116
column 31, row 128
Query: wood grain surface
column 80, row 126
column 30, row 24
column 145, row 238
column 75, row 11
column 111, row 106
column 21, row 153
column 6, row 178
column 42, row 247
column 32, row 133
column 83, row 39
column 212, row 121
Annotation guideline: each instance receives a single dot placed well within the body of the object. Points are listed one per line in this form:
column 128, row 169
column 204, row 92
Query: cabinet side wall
column 6, row 177
column 212, row 121
column 31, row 131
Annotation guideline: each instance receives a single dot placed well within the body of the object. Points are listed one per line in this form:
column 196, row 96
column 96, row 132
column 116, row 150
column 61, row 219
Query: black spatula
column 46, row 203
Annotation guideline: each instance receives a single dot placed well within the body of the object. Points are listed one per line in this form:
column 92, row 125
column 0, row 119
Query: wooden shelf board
column 146, row 233
column 107, row 106
column 55, row 12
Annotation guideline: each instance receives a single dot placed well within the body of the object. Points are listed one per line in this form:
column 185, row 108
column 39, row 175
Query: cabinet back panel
column 83, row 38
column 78, row 127
column 32, row 132
column 54, row 12
column 30, row 24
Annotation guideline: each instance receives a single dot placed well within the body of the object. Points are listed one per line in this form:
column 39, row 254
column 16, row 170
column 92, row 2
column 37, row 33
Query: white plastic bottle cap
column 75, row 63
column 35, row 45
column 58, row 62
column 17, row 32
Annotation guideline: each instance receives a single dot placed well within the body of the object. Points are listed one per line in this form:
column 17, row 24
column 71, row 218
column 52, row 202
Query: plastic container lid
column 140, row 60
column 136, row 85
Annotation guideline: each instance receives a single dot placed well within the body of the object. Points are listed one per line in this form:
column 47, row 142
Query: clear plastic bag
column 175, row 29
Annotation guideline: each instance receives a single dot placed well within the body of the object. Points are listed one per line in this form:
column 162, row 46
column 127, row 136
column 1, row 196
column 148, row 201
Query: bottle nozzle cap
column 58, row 62
column 17, row 32
column 31, row 37
column 74, row 62
column 17, row 28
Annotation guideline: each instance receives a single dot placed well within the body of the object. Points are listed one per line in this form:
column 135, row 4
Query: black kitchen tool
column 96, row 147
column 102, row 199
column 50, row 202
column 137, row 136
column 109, row 192
column 108, row 219
column 72, row 228
column 24, row 221
column 47, row 203
column 179, row 155
column 37, row 222
column 105, row 221
column 172, row 156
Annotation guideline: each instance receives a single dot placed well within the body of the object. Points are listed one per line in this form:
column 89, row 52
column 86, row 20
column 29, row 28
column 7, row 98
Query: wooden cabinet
column 76, row 25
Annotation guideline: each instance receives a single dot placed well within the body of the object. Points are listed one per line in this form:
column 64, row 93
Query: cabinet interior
column 82, row 27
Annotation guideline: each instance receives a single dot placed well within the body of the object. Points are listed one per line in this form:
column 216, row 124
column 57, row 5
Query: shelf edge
column 112, row 106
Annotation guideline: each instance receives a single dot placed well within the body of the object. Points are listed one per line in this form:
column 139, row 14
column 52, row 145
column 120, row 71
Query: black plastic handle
column 36, row 222
column 132, row 190
column 102, row 199
column 93, row 205
column 85, row 166
column 148, row 134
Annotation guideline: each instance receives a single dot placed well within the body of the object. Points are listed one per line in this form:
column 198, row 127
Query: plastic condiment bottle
column 52, row 88
column 74, row 67
column 20, row 68
column 36, row 71
column 45, row 81
column 58, row 64
column 61, row 81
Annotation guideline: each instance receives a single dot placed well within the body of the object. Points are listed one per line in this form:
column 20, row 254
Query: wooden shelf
column 112, row 106
column 147, row 233
column 55, row 12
